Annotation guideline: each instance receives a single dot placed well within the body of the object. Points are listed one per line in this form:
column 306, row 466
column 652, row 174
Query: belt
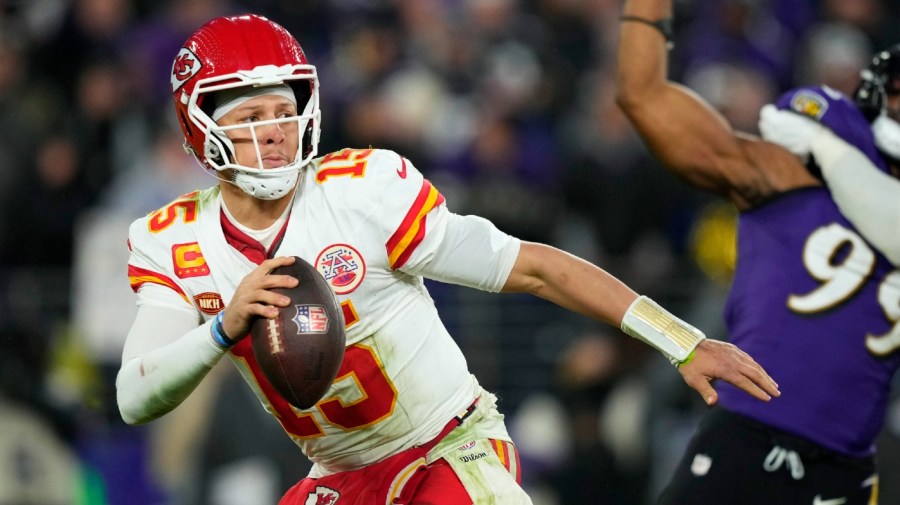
column 465, row 414
column 451, row 425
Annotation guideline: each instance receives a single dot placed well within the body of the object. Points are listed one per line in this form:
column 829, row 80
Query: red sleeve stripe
column 412, row 230
column 139, row 276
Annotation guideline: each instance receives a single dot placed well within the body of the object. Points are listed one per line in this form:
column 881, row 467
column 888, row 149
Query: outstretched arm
column 582, row 287
column 691, row 139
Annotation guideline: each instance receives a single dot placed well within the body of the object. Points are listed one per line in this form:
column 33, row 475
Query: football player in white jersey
column 404, row 421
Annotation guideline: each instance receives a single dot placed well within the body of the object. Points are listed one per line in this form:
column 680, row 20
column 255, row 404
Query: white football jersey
column 373, row 226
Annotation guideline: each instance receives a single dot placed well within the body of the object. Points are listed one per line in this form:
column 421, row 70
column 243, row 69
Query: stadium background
column 506, row 105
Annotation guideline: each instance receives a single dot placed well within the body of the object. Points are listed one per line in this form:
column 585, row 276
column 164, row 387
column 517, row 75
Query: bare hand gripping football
column 301, row 349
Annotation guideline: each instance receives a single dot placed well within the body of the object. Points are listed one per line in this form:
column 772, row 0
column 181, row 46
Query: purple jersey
column 816, row 306
column 837, row 112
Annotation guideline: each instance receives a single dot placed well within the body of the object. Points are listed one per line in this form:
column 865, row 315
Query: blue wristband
column 218, row 333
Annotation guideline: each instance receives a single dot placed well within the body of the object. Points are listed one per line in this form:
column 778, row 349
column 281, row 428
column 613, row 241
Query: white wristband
column 646, row 320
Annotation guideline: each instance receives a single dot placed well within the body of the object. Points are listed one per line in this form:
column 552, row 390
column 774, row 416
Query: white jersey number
column 842, row 261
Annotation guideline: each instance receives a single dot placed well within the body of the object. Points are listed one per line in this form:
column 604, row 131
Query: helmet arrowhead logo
column 185, row 66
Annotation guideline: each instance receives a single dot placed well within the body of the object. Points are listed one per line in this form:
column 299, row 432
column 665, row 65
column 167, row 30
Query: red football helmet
column 244, row 51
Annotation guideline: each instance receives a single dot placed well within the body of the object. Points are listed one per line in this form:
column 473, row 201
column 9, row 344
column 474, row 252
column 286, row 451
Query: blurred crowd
column 505, row 105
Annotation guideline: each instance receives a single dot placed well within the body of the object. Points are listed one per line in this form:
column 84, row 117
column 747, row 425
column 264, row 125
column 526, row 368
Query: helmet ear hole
column 870, row 99
column 213, row 153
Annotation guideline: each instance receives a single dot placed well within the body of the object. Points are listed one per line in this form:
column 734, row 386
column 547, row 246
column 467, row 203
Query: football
column 301, row 350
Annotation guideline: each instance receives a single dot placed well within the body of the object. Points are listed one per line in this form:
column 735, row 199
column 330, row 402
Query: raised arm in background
column 685, row 133
column 809, row 300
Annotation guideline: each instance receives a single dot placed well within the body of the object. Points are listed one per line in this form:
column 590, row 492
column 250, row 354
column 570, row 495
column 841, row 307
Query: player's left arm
column 471, row 251
column 582, row 287
column 468, row 250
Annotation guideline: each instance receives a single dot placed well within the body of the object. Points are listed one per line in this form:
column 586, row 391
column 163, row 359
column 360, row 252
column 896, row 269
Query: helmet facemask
column 219, row 151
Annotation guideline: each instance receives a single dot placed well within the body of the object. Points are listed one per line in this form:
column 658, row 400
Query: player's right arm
column 166, row 355
column 168, row 352
column 693, row 140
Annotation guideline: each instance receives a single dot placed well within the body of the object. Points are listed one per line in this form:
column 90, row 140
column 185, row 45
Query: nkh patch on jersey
column 209, row 303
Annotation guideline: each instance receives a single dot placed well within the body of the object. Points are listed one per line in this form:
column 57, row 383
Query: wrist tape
column 218, row 333
column 646, row 320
